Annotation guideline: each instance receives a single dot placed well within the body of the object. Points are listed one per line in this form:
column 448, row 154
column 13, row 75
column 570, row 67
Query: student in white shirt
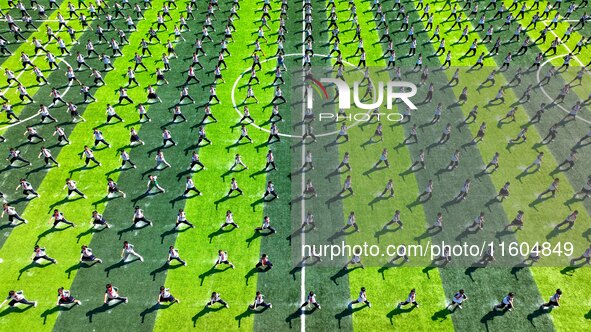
column 165, row 296
column 411, row 299
column 181, row 218
column 128, row 250
column 457, row 300
column 311, row 300
column 86, row 255
column 362, row 298
column 554, row 300
column 215, row 298
column 138, row 216
column 15, row 297
column 259, row 302
column 112, row 294
column 222, row 259
column 11, row 213
column 506, row 303
column 173, row 253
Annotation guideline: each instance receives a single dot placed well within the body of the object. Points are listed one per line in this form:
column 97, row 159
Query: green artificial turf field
column 294, row 272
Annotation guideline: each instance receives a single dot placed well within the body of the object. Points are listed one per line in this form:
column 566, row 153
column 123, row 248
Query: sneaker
column 35, row 304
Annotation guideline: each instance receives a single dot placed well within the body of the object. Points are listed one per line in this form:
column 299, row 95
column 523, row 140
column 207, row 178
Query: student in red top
column 264, row 263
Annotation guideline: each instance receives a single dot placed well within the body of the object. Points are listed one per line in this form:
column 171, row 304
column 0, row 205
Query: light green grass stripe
column 41, row 283
column 539, row 221
column 208, row 213
column 13, row 62
column 383, row 284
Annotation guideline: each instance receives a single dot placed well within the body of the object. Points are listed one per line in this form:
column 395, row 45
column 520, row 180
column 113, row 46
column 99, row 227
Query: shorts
column 90, row 258
column 167, row 299
column 67, row 300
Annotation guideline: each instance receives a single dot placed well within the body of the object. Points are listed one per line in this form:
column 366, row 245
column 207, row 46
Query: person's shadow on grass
column 247, row 313
column 163, row 268
column 213, row 270
column 14, row 310
column 341, row 273
column 79, row 266
column 537, row 313
column 441, row 315
column 172, row 231
column 297, row 314
column 398, row 311
column 49, row 231
column 220, row 231
column 490, row 316
column 252, row 272
column 570, row 270
column 100, row 309
column 117, row 265
column 30, row 266
column 348, row 312
column 57, row 308
column 203, row 312
column 152, row 309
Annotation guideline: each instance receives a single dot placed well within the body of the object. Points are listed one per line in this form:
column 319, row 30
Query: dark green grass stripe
column 35, row 174
column 140, row 281
column 331, row 295
column 277, row 285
